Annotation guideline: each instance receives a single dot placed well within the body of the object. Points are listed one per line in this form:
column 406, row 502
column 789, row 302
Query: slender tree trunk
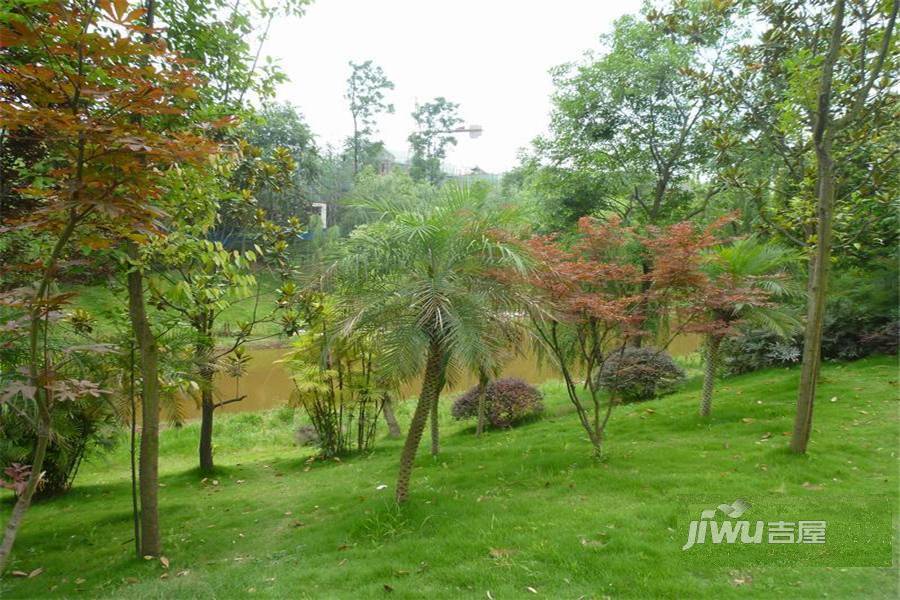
column 711, row 366
column 387, row 405
column 24, row 499
column 135, row 509
column 149, row 459
column 818, row 269
column 431, row 387
column 482, row 402
column 42, row 400
column 207, row 411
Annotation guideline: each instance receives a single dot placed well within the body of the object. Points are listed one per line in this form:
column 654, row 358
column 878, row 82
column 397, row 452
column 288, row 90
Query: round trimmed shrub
column 506, row 402
column 638, row 374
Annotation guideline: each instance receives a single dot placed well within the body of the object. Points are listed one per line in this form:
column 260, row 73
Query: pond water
column 267, row 385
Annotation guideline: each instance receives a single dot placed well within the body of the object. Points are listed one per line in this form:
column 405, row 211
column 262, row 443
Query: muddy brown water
column 267, row 384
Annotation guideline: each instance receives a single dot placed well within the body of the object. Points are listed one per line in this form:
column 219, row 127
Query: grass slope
column 493, row 517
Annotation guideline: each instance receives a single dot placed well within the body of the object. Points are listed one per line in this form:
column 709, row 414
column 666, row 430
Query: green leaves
column 426, row 270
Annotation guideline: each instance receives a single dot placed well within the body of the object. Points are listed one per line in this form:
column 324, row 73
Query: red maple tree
column 107, row 105
column 589, row 298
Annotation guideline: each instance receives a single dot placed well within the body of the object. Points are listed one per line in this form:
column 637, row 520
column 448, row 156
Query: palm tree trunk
column 711, row 366
column 390, row 418
column 431, row 385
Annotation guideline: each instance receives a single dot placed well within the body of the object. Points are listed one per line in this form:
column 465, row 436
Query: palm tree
column 752, row 276
column 423, row 272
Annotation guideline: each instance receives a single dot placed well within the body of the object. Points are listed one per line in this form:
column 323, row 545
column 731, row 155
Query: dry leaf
column 164, row 561
column 531, row 589
column 19, row 574
column 499, row 552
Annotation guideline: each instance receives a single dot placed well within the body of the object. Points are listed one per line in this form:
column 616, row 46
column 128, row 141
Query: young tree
column 366, row 89
column 88, row 89
column 195, row 279
column 435, row 122
column 589, row 299
column 421, row 273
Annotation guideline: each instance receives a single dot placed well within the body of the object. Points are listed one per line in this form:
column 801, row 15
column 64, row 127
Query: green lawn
column 498, row 517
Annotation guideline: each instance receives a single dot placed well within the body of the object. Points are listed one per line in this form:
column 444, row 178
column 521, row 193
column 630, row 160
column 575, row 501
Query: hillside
column 513, row 514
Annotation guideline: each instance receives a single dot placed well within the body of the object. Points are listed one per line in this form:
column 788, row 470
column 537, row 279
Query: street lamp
column 474, row 131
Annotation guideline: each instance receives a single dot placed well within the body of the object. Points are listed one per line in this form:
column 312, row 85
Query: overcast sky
column 490, row 56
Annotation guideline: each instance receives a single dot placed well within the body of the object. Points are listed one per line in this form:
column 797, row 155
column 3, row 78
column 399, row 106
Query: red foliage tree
column 108, row 106
column 589, row 297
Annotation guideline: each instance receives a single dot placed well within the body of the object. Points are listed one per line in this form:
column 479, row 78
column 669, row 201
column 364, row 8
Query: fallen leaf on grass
column 164, row 561
column 388, row 588
column 531, row 589
column 19, row 574
column 79, row 581
column 500, row 552
column 812, row 486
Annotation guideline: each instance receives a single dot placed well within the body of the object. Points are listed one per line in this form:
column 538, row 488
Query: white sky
column 490, row 56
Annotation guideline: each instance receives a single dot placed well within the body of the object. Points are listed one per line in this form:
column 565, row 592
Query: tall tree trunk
column 135, row 509
column 431, row 387
column 207, row 411
column 823, row 135
column 711, row 366
column 387, row 405
column 148, row 465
